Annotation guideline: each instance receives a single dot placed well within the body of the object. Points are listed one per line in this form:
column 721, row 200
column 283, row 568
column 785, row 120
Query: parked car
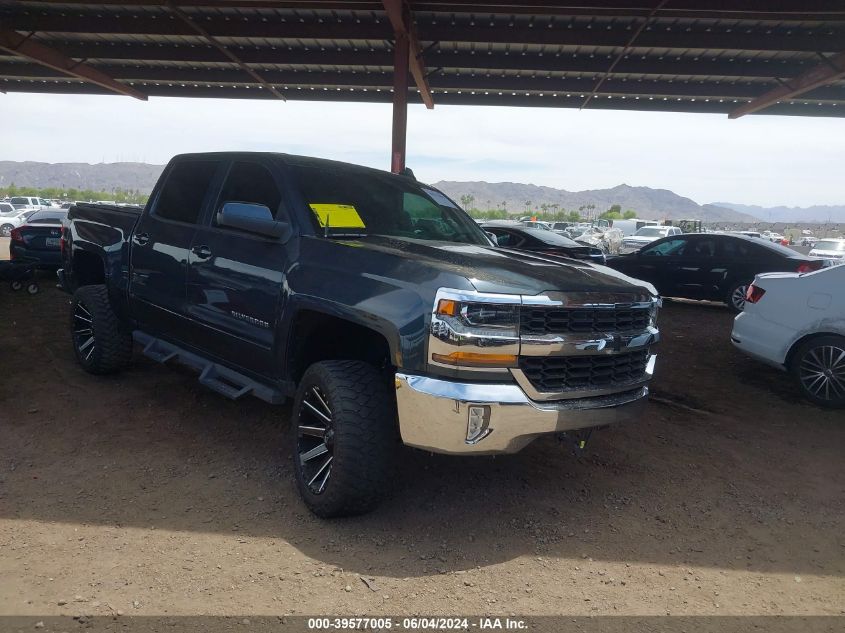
column 29, row 202
column 39, row 238
column 829, row 248
column 10, row 218
column 542, row 241
column 772, row 236
column 645, row 236
column 536, row 224
column 628, row 227
column 710, row 266
column 796, row 322
column 371, row 299
column 7, row 210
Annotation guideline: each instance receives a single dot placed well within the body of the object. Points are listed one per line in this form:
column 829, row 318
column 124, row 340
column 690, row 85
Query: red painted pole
column 400, row 103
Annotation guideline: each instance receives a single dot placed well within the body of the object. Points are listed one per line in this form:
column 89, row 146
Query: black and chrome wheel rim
column 738, row 297
column 83, row 332
column 822, row 372
column 315, row 440
column 6, row 230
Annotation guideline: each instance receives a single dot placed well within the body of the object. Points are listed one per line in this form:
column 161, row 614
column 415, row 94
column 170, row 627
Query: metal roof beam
column 479, row 85
column 382, row 80
column 400, row 18
column 798, row 39
column 187, row 19
column 827, row 72
column 704, row 66
column 660, row 105
column 24, row 46
column 731, row 9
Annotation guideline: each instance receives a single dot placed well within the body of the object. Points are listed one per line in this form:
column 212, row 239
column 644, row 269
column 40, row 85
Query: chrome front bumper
column 435, row 414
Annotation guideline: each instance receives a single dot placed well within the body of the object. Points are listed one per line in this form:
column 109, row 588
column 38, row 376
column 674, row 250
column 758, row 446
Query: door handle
column 141, row 238
column 203, row 252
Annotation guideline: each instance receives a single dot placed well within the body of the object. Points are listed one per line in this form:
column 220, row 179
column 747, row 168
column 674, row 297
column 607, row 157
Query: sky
column 764, row 160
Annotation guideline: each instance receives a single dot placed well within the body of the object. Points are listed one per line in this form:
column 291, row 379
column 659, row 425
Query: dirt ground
column 147, row 494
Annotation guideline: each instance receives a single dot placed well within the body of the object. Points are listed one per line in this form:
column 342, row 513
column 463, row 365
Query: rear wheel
column 101, row 344
column 32, row 288
column 819, row 367
column 6, row 230
column 16, row 285
column 736, row 296
column 343, row 437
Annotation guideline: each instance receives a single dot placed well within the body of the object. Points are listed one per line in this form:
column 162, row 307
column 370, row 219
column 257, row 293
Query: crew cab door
column 653, row 262
column 235, row 278
column 160, row 246
column 698, row 271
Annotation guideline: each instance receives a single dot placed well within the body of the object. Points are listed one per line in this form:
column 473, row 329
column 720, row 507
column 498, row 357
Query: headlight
column 474, row 330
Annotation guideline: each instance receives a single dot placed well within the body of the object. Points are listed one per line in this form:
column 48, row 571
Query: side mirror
column 252, row 218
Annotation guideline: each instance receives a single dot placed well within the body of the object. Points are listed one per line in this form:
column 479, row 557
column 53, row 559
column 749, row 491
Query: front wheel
column 819, row 368
column 344, row 421
column 101, row 343
column 6, row 230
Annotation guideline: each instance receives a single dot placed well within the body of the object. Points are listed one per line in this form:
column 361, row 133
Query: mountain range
column 100, row 177
column 654, row 204
column 650, row 204
column 817, row 213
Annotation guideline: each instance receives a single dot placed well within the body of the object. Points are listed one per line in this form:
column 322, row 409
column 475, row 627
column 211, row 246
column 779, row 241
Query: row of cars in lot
column 791, row 307
column 387, row 314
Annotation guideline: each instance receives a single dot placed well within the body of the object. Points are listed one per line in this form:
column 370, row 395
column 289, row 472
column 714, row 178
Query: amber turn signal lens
column 448, row 307
column 473, row 359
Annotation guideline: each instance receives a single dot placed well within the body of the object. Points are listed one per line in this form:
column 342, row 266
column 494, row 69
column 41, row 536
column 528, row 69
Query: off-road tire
column 363, row 438
column 803, row 355
column 112, row 342
column 730, row 299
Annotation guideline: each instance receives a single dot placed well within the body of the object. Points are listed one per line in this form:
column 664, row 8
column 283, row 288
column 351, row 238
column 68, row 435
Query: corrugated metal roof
column 691, row 55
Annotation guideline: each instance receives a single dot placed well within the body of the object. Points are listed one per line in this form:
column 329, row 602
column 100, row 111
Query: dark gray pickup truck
column 371, row 299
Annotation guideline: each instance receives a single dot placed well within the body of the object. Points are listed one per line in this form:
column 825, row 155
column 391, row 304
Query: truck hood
column 492, row 269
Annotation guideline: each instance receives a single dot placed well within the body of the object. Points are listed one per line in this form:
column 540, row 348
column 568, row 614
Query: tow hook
column 576, row 440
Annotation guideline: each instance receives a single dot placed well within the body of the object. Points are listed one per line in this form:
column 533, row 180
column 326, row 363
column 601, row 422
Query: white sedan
column 645, row 236
column 831, row 248
column 796, row 322
column 10, row 218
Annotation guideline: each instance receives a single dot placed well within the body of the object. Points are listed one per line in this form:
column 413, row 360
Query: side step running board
column 225, row 381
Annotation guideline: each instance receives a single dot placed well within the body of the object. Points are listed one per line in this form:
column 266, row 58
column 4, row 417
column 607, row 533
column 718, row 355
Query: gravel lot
column 146, row 494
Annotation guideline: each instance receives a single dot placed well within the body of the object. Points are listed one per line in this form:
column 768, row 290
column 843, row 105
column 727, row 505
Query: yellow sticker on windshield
column 337, row 216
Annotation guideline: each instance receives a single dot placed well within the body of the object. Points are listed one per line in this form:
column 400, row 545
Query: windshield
column 550, row 237
column 47, row 217
column 649, row 231
column 376, row 203
column 830, row 245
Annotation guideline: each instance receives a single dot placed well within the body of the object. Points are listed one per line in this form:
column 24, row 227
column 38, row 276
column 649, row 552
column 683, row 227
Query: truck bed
column 122, row 218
